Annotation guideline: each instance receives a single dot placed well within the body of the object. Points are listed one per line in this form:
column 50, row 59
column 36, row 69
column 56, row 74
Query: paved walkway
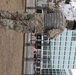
column 11, row 47
column 11, row 42
column 12, row 5
column 28, row 64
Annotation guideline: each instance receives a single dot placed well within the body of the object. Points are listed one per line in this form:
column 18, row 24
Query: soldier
column 25, row 22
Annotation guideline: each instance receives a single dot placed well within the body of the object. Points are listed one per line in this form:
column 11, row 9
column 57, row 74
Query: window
column 44, row 52
column 38, row 36
column 45, row 38
column 45, row 48
column 44, row 66
column 38, row 45
column 39, row 10
column 73, row 38
column 38, row 69
column 74, row 27
column 38, row 64
column 74, row 33
column 38, row 56
column 49, row 66
column 50, row 71
column 45, row 57
column 67, row 1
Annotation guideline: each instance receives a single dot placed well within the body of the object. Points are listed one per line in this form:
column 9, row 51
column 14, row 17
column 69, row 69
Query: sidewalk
column 11, row 42
column 12, row 5
column 25, row 54
column 11, row 47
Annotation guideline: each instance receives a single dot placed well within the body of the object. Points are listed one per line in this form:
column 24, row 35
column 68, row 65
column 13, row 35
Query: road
column 30, row 69
column 28, row 62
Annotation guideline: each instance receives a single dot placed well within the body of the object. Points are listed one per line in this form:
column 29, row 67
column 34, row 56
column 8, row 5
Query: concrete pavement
column 28, row 62
column 25, row 54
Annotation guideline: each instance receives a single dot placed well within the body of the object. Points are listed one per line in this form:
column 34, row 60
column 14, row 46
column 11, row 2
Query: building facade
column 56, row 72
column 61, row 54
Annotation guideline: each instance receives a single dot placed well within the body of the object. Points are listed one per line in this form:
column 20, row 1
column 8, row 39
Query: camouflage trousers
column 22, row 22
column 19, row 26
column 16, row 15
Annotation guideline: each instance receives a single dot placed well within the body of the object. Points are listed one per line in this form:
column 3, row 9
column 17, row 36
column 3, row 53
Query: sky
column 74, row 71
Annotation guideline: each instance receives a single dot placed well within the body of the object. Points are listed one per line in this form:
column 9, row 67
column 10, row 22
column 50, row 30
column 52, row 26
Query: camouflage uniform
column 53, row 33
column 24, row 22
